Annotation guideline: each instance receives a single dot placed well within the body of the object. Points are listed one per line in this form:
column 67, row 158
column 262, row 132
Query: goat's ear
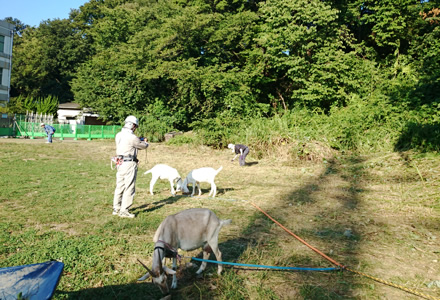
column 169, row 271
column 144, row 277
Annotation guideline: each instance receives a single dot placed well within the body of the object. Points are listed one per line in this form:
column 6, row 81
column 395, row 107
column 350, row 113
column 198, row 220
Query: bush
column 421, row 137
column 187, row 138
column 154, row 129
column 216, row 132
column 364, row 125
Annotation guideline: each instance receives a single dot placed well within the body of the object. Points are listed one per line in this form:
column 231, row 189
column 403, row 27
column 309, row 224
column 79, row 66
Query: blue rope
column 267, row 267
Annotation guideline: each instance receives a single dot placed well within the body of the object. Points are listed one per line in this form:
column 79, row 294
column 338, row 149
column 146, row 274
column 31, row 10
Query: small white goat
column 188, row 230
column 201, row 175
column 162, row 171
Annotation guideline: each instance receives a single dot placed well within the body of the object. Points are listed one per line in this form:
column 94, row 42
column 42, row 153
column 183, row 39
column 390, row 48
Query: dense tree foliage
column 188, row 62
column 45, row 59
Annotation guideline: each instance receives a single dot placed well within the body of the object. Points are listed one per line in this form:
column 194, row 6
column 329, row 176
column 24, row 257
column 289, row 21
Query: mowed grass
column 378, row 214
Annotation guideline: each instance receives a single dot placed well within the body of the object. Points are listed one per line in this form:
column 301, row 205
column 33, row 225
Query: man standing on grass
column 50, row 131
column 241, row 150
column 127, row 146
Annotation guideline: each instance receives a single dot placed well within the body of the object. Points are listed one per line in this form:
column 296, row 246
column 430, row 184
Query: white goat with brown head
column 188, row 230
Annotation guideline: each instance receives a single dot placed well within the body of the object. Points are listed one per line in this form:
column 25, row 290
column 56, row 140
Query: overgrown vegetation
column 361, row 126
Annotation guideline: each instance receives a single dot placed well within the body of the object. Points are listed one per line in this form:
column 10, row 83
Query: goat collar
column 168, row 247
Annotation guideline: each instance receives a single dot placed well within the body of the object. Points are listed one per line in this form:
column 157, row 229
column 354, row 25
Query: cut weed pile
column 377, row 213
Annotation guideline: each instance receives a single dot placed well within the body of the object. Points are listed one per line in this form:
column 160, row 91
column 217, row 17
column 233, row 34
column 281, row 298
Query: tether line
column 341, row 265
column 263, row 266
column 298, row 238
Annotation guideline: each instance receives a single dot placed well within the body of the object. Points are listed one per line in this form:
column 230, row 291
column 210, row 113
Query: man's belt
column 129, row 158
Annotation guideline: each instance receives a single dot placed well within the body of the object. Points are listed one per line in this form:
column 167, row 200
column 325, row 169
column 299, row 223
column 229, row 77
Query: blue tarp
column 36, row 281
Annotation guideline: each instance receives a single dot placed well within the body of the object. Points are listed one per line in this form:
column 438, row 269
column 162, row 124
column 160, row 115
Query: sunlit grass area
column 378, row 214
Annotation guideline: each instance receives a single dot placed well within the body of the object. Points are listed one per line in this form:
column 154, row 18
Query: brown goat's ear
column 149, row 271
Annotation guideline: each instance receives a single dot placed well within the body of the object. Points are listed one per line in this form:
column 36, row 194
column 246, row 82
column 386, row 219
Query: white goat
column 165, row 172
column 188, row 230
column 201, row 175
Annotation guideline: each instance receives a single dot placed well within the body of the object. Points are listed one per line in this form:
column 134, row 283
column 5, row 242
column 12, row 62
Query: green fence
column 6, row 125
column 6, row 131
column 63, row 131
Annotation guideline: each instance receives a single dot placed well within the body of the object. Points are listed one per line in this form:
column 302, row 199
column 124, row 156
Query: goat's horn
column 160, row 266
column 149, row 271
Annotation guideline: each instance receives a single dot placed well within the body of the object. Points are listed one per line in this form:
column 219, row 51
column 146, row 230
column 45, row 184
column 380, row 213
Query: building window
column 1, row 76
column 2, row 43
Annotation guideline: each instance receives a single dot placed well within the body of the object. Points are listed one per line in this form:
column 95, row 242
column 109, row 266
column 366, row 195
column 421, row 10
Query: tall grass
column 363, row 126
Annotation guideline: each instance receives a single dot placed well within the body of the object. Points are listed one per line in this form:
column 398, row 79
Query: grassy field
column 378, row 214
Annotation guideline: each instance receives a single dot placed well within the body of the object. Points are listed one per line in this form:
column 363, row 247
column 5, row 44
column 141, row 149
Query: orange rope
column 300, row 239
column 341, row 265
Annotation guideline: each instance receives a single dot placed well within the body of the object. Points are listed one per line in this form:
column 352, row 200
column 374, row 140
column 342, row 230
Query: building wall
column 77, row 116
column 6, row 41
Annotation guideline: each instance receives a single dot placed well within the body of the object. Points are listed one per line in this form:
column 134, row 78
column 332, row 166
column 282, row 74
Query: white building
column 6, row 39
column 71, row 113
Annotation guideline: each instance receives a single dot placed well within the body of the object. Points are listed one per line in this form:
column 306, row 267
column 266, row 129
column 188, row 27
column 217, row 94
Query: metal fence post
column 32, row 136
column 76, row 132
column 90, row 133
column 61, row 129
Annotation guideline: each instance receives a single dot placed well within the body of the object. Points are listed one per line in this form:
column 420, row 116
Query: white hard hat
column 133, row 120
column 231, row 146
column 41, row 124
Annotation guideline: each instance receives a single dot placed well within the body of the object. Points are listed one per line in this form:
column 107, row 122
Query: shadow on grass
column 334, row 224
column 189, row 282
column 205, row 192
column 186, row 275
column 231, row 251
column 341, row 233
column 421, row 137
column 144, row 290
column 149, row 207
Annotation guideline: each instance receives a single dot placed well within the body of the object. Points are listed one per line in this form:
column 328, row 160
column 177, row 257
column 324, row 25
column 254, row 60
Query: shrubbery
column 363, row 126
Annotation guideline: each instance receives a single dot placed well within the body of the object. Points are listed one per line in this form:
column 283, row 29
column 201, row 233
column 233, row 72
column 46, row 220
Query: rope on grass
column 298, row 238
column 263, row 266
column 394, row 285
column 341, row 265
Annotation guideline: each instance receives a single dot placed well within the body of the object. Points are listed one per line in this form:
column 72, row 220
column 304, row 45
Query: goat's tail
column 218, row 170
